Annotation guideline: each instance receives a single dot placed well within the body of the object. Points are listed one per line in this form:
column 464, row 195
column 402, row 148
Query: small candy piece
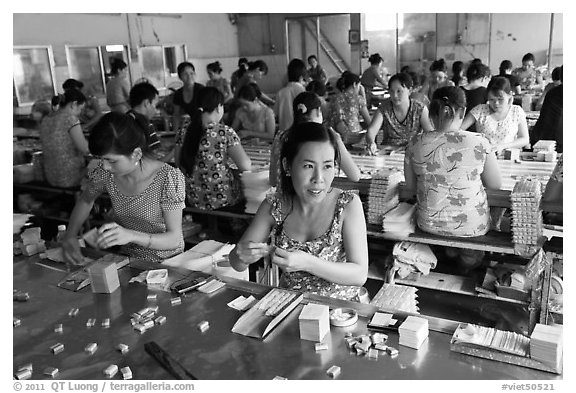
column 26, row 366
column 391, row 351
column 57, row 348
column 149, row 324
column 106, row 323
column 348, row 334
column 51, row 371
column 111, row 370
column 373, row 353
column 91, row 348
column 161, row 320
column 143, row 311
column 21, row 296
column 351, row 343
column 176, row 301
column 23, row 374
column 152, row 297
column 379, row 338
column 333, row 371
column 140, row 328
column 123, row 348
column 90, row 322
column 279, row 378
column 154, row 308
column 17, row 322
column 320, row 346
column 381, row 346
column 59, row 328
column 126, row 372
column 203, row 326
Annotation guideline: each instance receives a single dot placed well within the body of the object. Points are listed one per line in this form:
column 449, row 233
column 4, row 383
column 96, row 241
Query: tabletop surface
column 216, row 354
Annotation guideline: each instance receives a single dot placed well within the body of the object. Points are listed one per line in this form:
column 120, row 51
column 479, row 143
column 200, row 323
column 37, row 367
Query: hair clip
column 302, row 108
column 201, row 109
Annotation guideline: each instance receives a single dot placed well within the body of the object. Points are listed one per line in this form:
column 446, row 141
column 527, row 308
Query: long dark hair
column 447, row 102
column 69, row 96
column 296, row 136
column 303, row 104
column 208, row 100
column 116, row 133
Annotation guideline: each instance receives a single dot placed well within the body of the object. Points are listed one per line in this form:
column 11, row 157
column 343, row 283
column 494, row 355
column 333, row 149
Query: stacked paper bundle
column 546, row 344
column 255, row 186
column 397, row 297
column 500, row 340
column 413, row 332
column 314, row 322
column 400, row 220
column 383, row 194
column 527, row 226
column 413, row 257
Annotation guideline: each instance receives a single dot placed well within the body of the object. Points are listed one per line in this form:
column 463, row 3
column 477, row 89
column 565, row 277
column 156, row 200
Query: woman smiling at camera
column 147, row 195
column 318, row 232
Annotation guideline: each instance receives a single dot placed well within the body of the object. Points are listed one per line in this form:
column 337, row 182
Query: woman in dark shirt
column 478, row 76
column 506, row 71
column 186, row 98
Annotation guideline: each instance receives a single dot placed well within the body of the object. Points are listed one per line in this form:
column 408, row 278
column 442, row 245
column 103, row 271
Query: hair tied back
column 302, row 108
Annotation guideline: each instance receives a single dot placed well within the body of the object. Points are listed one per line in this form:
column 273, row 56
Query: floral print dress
column 329, row 246
column 498, row 132
column 451, row 197
column 398, row 132
column 212, row 184
column 346, row 108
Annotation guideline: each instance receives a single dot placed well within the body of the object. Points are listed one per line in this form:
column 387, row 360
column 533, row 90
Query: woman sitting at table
column 449, row 169
column 528, row 76
column 118, row 87
column 63, row 143
column 374, row 76
column 458, row 74
column 506, row 71
column 186, row 98
column 503, row 123
column 347, row 108
column 556, row 81
column 253, row 119
column 316, row 72
column 208, row 146
column 147, row 195
column 438, row 78
column 256, row 70
column 478, row 76
column 400, row 117
column 307, row 107
column 318, row 233
column 218, row 81
column 92, row 111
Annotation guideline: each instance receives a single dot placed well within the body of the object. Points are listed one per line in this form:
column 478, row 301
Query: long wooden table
column 217, row 354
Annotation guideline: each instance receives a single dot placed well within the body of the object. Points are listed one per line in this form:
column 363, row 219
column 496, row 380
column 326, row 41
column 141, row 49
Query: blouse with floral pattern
column 398, row 132
column 329, row 246
column 255, row 120
column 526, row 78
column 143, row 212
column 498, row 132
column 451, row 197
column 212, row 184
column 346, row 107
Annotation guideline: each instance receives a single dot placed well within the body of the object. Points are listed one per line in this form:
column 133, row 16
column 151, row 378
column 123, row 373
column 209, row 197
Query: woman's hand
column 250, row 252
column 71, row 251
column 112, row 234
column 372, row 149
column 290, row 261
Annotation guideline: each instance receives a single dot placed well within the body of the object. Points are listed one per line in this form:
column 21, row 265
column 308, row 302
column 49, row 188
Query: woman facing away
column 253, row 119
column 400, row 117
column 505, row 70
column 307, row 107
column 318, row 233
column 348, row 107
column 186, row 98
column 118, row 87
column 478, row 76
column 218, row 81
column 449, row 170
column 501, row 122
column 208, row 146
column 147, row 195
column 64, row 146
column 256, row 70
column 458, row 74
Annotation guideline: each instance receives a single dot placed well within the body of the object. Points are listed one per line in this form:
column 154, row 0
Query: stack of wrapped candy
column 397, row 297
column 413, row 332
column 546, row 344
column 527, row 226
column 545, row 150
column 383, row 194
column 255, row 186
column 413, row 257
